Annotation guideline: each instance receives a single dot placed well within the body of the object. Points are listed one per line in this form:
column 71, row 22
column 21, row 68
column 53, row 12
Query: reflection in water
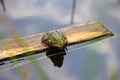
column 10, row 61
column 2, row 63
column 73, row 12
column 3, row 5
column 56, row 55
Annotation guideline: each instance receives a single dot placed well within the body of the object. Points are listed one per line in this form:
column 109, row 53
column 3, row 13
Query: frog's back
column 55, row 39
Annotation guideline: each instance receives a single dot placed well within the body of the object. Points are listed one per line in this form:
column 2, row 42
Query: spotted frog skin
column 55, row 39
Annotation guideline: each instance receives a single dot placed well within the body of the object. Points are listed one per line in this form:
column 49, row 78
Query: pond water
column 79, row 62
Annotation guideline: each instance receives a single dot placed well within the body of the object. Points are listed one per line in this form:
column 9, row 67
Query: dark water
column 80, row 62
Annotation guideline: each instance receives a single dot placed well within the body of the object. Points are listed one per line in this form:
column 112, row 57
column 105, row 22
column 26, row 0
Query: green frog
column 55, row 39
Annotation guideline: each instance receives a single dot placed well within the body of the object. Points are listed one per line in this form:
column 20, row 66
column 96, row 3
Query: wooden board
column 74, row 34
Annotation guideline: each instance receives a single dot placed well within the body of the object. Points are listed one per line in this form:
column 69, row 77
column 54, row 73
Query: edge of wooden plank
column 75, row 34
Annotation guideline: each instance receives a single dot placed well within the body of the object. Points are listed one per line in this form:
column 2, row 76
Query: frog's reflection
column 56, row 55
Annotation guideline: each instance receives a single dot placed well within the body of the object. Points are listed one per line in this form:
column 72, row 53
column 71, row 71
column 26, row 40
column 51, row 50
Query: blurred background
column 94, row 62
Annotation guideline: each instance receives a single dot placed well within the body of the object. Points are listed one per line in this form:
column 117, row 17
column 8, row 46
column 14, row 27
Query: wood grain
column 75, row 34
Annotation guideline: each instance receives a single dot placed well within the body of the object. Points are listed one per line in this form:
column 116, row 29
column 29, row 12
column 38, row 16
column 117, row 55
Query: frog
column 55, row 39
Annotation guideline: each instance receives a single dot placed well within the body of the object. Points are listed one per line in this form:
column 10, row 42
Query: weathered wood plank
column 74, row 34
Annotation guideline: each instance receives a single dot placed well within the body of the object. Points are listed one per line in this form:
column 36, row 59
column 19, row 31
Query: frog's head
column 55, row 39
